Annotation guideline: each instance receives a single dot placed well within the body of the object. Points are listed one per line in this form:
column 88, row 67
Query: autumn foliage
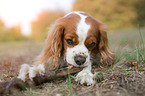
column 116, row 14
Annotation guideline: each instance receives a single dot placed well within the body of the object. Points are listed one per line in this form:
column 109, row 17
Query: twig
column 8, row 86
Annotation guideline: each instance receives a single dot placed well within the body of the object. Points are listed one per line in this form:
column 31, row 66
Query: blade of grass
column 143, row 56
column 2, row 77
column 141, row 37
column 69, row 83
column 137, row 56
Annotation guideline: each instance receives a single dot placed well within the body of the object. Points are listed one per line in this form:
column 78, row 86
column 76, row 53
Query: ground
column 126, row 77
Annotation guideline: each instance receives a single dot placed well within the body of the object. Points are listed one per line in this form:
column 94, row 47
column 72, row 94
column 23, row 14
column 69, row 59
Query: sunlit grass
column 142, row 54
column 135, row 52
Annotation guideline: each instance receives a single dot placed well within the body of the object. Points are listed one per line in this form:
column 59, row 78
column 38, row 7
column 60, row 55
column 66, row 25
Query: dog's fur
column 75, row 38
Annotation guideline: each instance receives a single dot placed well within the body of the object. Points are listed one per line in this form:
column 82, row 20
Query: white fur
column 24, row 70
column 80, row 49
column 85, row 76
column 27, row 70
column 74, row 12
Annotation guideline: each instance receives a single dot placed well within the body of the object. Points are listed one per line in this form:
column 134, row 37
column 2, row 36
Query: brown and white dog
column 76, row 39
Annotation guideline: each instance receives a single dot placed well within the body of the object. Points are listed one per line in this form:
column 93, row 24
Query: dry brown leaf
column 69, row 67
column 132, row 63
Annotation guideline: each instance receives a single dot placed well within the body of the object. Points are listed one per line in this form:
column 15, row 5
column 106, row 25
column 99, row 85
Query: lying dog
column 77, row 39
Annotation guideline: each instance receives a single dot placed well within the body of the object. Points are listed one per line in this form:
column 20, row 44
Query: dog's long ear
column 106, row 53
column 53, row 49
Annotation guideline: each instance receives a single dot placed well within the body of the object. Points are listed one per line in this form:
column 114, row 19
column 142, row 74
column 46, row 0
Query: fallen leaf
column 76, row 88
column 132, row 63
column 69, row 66
column 113, row 78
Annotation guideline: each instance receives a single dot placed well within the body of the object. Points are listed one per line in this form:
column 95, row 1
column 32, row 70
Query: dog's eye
column 69, row 41
column 91, row 45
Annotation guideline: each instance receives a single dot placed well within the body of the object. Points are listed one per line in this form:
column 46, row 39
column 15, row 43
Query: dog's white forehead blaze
column 81, row 30
column 82, row 26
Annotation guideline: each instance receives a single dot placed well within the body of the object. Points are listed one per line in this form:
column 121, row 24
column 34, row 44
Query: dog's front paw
column 28, row 72
column 85, row 76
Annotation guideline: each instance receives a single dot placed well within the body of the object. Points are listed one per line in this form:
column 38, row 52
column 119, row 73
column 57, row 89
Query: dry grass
column 121, row 79
column 13, row 54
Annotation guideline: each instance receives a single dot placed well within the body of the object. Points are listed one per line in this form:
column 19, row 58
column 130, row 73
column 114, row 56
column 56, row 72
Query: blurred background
column 22, row 20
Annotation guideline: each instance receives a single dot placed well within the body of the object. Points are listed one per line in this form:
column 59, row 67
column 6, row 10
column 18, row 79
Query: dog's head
column 78, row 38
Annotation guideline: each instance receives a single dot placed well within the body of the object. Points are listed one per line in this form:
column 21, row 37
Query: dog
column 77, row 39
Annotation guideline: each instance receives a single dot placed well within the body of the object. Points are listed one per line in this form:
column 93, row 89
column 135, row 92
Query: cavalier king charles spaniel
column 76, row 39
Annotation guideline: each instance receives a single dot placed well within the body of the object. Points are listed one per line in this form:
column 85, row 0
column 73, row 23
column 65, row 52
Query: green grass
column 137, row 56
column 136, row 52
column 141, row 39
column 69, row 83
column 2, row 78
column 142, row 51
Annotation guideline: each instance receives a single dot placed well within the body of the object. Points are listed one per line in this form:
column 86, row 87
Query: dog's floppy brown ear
column 53, row 49
column 106, row 53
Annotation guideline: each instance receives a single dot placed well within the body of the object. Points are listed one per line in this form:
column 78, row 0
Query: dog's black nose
column 80, row 60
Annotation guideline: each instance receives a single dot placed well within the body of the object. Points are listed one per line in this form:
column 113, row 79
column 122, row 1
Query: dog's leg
column 85, row 76
column 30, row 71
